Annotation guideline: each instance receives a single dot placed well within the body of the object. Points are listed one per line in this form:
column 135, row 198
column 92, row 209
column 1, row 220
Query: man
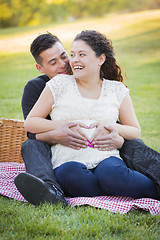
column 38, row 184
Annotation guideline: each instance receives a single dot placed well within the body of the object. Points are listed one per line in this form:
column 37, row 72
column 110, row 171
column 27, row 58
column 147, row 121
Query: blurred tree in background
column 34, row 12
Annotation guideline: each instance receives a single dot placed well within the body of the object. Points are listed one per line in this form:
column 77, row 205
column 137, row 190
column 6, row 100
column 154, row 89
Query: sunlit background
column 133, row 26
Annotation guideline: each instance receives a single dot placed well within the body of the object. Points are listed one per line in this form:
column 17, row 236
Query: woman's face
column 83, row 61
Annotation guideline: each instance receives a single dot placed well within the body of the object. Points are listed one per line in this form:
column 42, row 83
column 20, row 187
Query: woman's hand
column 106, row 137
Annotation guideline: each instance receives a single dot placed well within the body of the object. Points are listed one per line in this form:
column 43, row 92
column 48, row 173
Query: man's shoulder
column 35, row 85
column 40, row 79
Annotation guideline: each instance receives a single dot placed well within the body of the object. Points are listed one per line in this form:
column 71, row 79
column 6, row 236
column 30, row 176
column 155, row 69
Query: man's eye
column 64, row 56
column 53, row 63
column 82, row 54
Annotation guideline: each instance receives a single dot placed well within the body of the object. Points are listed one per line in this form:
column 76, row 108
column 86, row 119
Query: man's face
column 55, row 61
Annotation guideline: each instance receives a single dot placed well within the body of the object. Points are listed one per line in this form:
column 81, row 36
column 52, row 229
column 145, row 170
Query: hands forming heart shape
column 96, row 130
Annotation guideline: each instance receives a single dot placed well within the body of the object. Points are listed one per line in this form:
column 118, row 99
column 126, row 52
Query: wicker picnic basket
column 12, row 136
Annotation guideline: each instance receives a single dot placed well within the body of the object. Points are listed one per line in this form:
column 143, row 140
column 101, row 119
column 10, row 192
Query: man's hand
column 106, row 138
column 69, row 135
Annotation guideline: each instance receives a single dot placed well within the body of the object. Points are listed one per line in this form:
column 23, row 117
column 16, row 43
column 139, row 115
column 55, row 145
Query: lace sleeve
column 121, row 91
column 57, row 86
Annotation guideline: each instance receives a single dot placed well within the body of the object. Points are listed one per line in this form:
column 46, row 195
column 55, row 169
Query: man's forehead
column 56, row 51
column 58, row 45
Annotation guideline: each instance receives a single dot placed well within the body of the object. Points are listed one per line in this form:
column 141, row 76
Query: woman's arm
column 129, row 127
column 35, row 121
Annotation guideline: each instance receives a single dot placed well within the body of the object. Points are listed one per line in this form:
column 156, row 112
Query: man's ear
column 39, row 68
column 102, row 59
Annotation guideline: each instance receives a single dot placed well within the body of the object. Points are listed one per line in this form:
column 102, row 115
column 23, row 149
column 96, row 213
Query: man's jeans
column 37, row 158
column 143, row 159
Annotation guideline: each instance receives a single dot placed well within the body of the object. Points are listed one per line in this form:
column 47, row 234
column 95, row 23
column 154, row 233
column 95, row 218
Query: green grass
column 24, row 221
column 15, row 69
column 137, row 46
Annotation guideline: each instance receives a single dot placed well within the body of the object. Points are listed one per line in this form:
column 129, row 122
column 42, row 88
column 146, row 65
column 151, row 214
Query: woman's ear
column 39, row 68
column 102, row 59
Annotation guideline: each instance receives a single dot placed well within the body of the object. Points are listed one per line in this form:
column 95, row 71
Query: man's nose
column 61, row 63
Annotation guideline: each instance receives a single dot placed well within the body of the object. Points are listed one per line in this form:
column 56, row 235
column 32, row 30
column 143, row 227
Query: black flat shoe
column 36, row 191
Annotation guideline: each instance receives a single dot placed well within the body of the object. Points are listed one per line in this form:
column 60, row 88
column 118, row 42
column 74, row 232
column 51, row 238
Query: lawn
column 136, row 40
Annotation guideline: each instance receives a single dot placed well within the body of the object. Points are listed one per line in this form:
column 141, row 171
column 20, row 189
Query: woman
column 94, row 97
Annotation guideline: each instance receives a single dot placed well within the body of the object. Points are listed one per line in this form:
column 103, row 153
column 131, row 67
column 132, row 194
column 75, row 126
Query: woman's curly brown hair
column 101, row 45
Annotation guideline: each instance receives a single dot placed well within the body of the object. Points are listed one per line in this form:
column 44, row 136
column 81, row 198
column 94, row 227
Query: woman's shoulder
column 113, row 82
column 60, row 81
column 115, row 88
column 114, row 85
column 59, row 85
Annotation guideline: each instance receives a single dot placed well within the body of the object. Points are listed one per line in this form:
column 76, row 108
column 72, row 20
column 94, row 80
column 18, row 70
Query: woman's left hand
column 106, row 137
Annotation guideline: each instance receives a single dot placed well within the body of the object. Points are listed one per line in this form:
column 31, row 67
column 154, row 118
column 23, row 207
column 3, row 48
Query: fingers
column 100, row 142
column 77, row 138
column 109, row 128
column 94, row 125
column 83, row 125
column 101, row 139
column 77, row 146
column 77, row 129
column 100, row 134
column 110, row 142
column 104, row 145
column 77, row 133
column 77, row 142
column 109, row 148
column 71, row 124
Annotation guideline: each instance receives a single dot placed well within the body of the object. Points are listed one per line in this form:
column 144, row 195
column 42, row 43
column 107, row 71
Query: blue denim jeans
column 37, row 158
column 110, row 177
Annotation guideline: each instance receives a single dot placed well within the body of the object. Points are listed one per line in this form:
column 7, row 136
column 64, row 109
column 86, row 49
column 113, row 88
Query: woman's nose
column 76, row 59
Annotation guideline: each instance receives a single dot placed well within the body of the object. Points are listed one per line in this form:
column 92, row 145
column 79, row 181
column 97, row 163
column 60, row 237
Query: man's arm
column 31, row 93
column 68, row 134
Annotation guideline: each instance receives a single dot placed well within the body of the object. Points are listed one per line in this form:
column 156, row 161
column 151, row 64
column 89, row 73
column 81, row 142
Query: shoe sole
column 34, row 190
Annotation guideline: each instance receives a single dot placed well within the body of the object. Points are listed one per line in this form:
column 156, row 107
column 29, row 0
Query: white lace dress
column 69, row 105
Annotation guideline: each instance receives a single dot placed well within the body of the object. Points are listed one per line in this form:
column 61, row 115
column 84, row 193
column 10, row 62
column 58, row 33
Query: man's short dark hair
column 41, row 43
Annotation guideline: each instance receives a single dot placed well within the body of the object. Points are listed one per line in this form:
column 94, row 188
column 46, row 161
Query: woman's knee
column 109, row 172
column 76, row 180
column 108, row 167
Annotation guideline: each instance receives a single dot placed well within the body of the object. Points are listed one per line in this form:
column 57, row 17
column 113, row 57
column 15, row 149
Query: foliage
column 29, row 12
